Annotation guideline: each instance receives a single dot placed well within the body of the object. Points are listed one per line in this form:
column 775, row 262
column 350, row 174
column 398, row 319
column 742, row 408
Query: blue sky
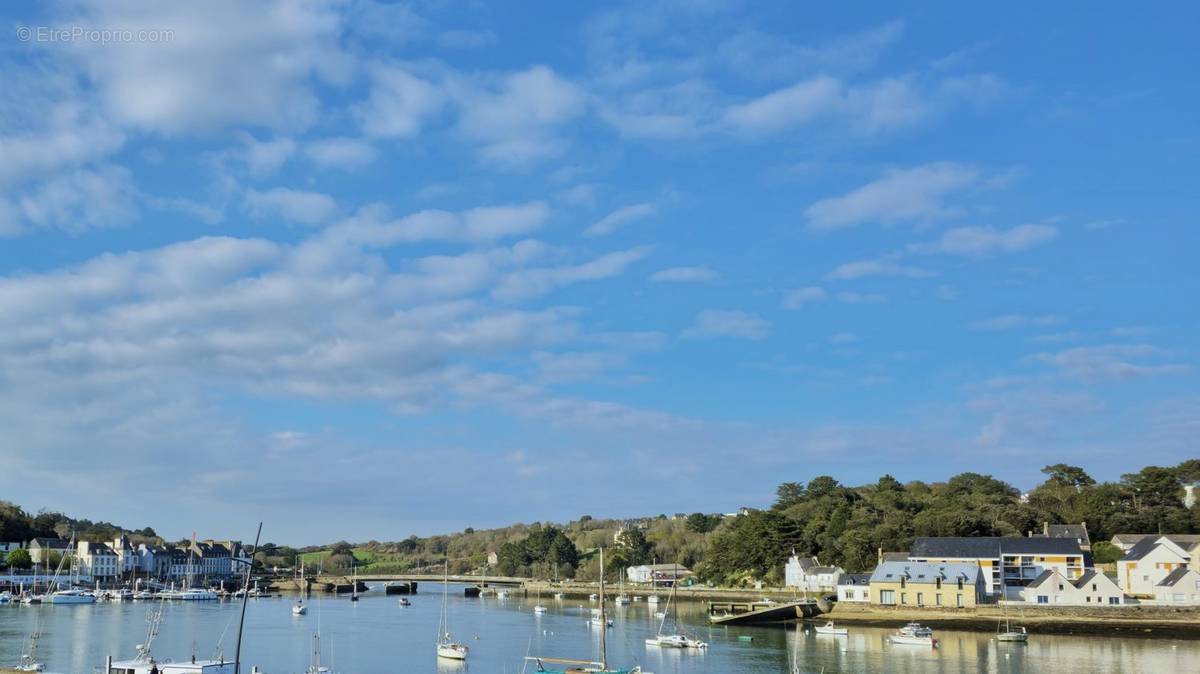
column 369, row 269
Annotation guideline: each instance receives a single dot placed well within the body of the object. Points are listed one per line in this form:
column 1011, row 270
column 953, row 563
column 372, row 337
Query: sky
column 362, row 270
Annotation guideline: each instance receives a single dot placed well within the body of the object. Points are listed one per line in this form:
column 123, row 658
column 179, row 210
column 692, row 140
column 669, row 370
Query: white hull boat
column 69, row 597
column 830, row 629
column 914, row 634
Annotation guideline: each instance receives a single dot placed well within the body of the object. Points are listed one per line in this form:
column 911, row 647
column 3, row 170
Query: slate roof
column 1174, row 577
column 1078, row 532
column 924, row 573
column 854, row 579
column 1041, row 578
column 1185, row 541
column 984, row 547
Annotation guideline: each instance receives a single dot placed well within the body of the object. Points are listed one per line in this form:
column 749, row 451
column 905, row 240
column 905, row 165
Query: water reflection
column 377, row 635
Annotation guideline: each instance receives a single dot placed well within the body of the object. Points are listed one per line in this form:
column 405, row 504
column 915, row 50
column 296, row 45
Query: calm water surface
column 377, row 636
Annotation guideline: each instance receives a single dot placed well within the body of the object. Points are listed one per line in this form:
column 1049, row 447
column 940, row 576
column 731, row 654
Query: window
column 903, row 597
column 1093, row 587
column 1043, row 599
column 938, row 598
column 887, row 597
column 1114, row 600
column 959, row 600
column 1088, row 599
column 1177, row 597
column 920, row 599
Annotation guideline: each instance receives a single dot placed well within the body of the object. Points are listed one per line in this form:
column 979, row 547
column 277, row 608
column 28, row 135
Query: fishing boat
column 584, row 666
column 299, row 608
column 914, row 634
column 672, row 640
column 447, row 647
column 830, row 629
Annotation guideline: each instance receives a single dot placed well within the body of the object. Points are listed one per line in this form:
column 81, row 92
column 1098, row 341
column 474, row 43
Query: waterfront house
column 153, row 560
column 1022, row 559
column 1146, row 564
column 96, row 560
column 1078, row 532
column 1091, row 589
column 854, row 587
column 40, row 549
column 1181, row 587
column 956, row 585
column 127, row 556
column 807, row 575
column 661, row 574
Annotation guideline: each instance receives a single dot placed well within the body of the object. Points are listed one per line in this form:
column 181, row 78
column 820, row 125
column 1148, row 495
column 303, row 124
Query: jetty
column 761, row 612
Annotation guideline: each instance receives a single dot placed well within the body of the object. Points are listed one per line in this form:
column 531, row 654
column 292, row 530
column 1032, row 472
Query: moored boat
column 914, row 634
column 830, row 629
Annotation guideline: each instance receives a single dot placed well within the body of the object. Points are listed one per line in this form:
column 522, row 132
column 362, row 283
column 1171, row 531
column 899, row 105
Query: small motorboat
column 405, row 602
column 299, row 608
column 675, row 641
column 539, row 609
column 914, row 634
column 828, row 628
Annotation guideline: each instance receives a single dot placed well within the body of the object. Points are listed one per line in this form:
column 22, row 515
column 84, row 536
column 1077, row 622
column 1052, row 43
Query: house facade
column 1009, row 564
column 96, row 560
column 854, row 588
column 40, row 549
column 1051, row 588
column 953, row 585
column 1148, row 562
column 807, row 575
column 1181, row 587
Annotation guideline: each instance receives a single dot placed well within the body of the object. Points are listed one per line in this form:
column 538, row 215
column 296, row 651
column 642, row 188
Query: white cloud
column 309, row 208
column 373, row 226
column 264, row 59
column 794, row 299
column 399, row 103
column 265, row 158
column 984, row 241
column 530, row 283
column 619, row 218
column 1113, row 361
column 1013, row 321
column 728, row 323
column 73, row 202
column 752, row 53
column 684, row 275
column 340, row 153
column 575, row 365
column 862, row 298
column 865, row 268
column 800, row 103
column 517, row 120
column 915, row 194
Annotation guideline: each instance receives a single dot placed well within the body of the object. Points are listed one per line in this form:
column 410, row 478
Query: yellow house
column 921, row 584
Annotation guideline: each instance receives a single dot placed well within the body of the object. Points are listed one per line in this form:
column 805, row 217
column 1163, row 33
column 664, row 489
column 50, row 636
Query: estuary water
column 378, row 636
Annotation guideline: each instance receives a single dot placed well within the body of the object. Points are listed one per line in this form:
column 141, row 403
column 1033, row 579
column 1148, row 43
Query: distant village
column 88, row 562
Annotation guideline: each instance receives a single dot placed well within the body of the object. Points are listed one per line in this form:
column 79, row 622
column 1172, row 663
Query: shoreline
column 1132, row 622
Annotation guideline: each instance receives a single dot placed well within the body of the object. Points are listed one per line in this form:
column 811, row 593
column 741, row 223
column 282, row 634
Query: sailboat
column 28, row 661
column 446, row 646
column 538, row 608
column 1009, row 633
column 653, row 598
column 584, row 666
column 315, row 666
column 621, row 599
column 677, row 640
column 71, row 595
column 354, row 587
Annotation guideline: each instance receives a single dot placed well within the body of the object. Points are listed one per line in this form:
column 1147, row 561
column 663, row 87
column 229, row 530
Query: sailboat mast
column 603, row 618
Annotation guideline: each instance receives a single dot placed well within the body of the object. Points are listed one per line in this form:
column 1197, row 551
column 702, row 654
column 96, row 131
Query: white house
column 1180, row 587
column 1008, row 564
column 662, row 574
column 854, row 587
column 127, row 556
column 1148, row 563
column 1091, row 589
column 1190, row 542
column 42, row 549
column 807, row 575
column 96, row 560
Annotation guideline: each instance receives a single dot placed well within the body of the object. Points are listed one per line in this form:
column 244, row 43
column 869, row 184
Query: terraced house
column 1153, row 558
column 1009, row 564
column 953, row 585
